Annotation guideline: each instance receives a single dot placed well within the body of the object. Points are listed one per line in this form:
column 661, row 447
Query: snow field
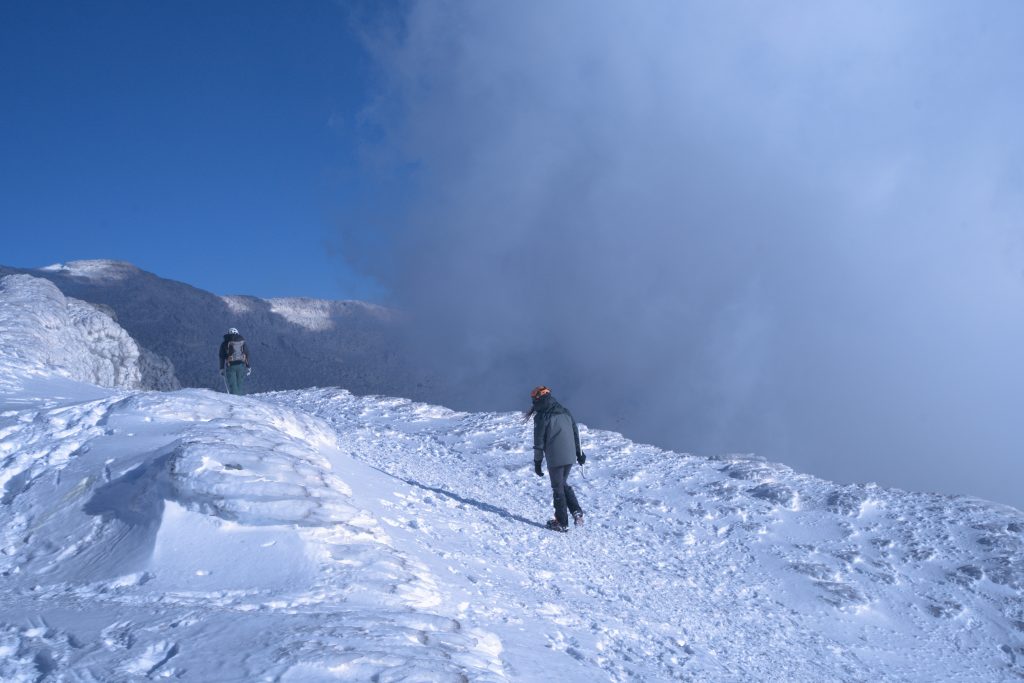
column 206, row 537
column 319, row 536
column 692, row 568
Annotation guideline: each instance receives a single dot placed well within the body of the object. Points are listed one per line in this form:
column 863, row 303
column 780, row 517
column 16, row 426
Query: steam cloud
column 787, row 228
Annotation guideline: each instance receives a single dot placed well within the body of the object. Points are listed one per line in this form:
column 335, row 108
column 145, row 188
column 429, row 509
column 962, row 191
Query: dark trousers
column 236, row 378
column 563, row 494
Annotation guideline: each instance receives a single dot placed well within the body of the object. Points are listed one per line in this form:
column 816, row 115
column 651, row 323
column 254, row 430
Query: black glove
column 581, row 457
column 537, row 469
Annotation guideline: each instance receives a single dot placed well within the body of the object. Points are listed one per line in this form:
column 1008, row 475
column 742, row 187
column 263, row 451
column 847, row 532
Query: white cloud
column 724, row 227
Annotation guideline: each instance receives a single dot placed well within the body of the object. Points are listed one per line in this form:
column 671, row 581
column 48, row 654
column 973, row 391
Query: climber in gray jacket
column 234, row 361
column 557, row 439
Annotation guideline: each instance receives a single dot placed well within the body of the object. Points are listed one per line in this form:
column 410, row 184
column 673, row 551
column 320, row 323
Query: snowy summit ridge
column 295, row 342
column 317, row 535
column 94, row 269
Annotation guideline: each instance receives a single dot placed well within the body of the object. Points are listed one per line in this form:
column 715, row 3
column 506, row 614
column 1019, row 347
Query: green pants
column 236, row 378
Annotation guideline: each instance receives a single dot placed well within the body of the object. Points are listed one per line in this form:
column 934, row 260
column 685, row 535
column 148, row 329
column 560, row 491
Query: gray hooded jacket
column 555, row 434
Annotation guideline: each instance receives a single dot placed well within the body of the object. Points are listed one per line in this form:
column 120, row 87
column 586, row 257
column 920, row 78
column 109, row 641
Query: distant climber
column 556, row 438
column 234, row 361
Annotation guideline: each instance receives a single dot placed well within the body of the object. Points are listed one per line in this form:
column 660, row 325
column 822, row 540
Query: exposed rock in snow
column 45, row 331
column 157, row 372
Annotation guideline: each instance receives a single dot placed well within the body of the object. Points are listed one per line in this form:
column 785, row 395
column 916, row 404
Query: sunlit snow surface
column 208, row 537
column 319, row 536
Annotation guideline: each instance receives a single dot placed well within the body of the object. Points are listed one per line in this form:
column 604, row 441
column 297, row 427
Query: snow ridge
column 698, row 569
column 295, row 342
column 317, row 535
column 41, row 331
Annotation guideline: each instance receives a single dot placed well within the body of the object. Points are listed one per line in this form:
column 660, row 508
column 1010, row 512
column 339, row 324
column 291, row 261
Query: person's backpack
column 234, row 352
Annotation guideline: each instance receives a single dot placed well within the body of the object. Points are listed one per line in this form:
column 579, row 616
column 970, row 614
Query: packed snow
column 317, row 535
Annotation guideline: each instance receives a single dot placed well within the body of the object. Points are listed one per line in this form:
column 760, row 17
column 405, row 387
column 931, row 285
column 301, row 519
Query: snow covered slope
column 319, row 536
column 42, row 331
column 295, row 343
column 200, row 536
column 698, row 569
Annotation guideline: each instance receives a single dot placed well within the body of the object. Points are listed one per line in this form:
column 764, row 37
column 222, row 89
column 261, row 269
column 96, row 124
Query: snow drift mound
column 43, row 332
column 207, row 537
column 120, row 461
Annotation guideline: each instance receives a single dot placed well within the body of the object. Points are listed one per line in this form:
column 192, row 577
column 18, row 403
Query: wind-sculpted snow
column 42, row 332
column 315, row 535
column 209, row 538
column 700, row 569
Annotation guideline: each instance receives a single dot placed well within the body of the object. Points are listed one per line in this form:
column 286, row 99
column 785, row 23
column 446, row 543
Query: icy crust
column 691, row 568
column 268, row 472
column 208, row 537
column 42, row 332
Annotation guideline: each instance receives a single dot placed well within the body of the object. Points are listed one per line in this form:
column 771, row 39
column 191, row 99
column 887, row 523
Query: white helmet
column 232, row 330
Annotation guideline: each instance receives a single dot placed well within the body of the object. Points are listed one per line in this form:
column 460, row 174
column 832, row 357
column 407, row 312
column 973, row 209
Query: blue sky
column 213, row 143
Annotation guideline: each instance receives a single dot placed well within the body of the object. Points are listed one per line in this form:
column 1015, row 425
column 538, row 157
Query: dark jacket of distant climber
column 556, row 437
column 234, row 361
column 233, row 350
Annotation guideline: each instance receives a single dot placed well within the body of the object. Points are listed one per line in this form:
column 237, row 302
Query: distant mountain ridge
column 295, row 342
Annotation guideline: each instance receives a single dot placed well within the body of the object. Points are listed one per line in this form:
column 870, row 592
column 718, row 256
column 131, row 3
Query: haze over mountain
column 295, row 342
column 315, row 535
column 300, row 343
